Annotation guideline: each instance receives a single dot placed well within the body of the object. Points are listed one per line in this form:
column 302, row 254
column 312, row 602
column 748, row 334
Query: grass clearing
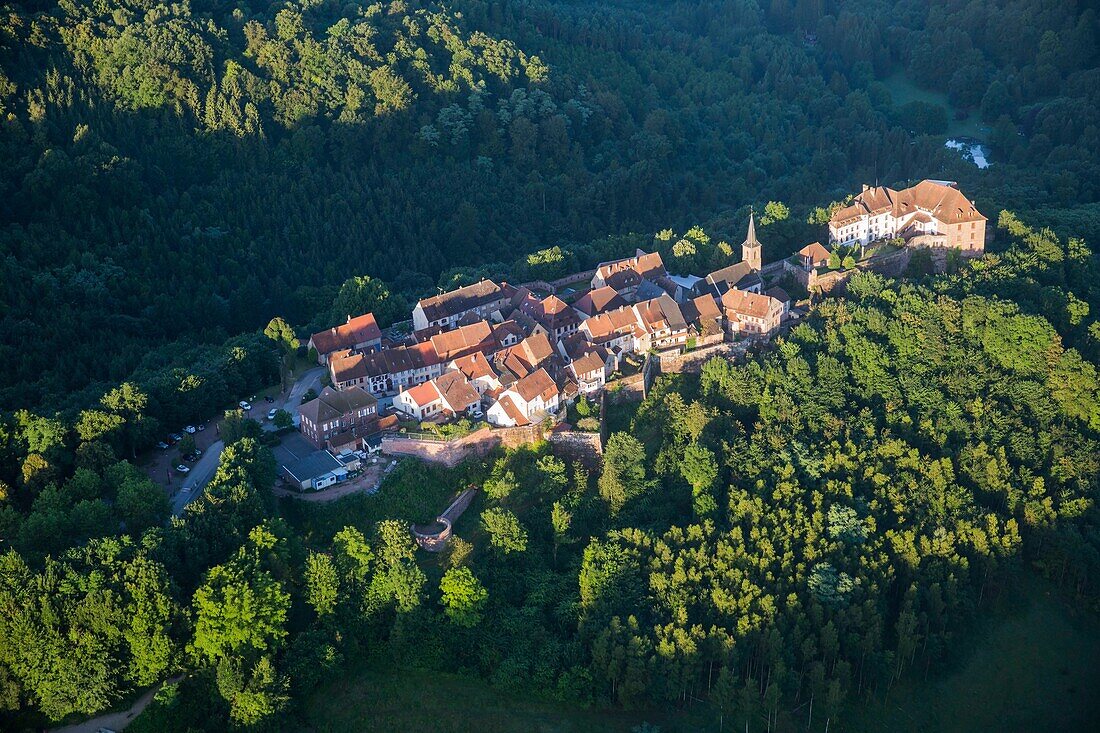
column 903, row 90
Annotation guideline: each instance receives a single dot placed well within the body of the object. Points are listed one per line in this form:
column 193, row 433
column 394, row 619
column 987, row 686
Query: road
column 203, row 469
column 201, row 473
column 310, row 379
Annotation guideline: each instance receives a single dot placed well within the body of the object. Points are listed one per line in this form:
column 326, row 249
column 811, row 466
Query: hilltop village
column 515, row 355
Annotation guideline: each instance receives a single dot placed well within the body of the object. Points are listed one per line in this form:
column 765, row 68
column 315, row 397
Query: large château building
column 932, row 213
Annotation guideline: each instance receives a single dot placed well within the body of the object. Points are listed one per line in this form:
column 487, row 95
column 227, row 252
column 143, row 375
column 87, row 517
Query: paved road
column 201, row 473
column 310, row 379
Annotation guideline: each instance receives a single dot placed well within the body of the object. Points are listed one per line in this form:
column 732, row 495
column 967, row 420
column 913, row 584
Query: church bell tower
column 750, row 248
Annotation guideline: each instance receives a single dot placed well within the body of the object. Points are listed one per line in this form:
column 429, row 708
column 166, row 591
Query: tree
column 464, row 596
column 283, row 420
column 239, row 610
column 364, row 294
column 282, row 334
column 506, row 534
column 700, row 469
column 623, row 476
column 238, row 426
column 561, row 519
column 774, row 211
column 835, row 261
column 141, row 504
column 322, row 583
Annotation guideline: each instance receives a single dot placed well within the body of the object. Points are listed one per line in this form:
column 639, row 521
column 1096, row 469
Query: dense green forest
column 179, row 173
column 818, row 523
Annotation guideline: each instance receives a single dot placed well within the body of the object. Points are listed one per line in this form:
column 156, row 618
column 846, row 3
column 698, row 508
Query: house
column 448, row 395
column 483, row 299
column 550, row 316
column 526, row 401
column 781, row 295
column 598, row 300
column 813, row 255
column 508, row 333
column 590, row 370
column 705, row 318
column 626, row 274
column 614, row 330
column 387, row 371
column 685, row 287
column 935, row 213
column 316, row 471
column 479, row 372
column 662, row 324
column 525, row 357
column 333, row 414
column 358, row 334
column 464, row 340
column 751, row 314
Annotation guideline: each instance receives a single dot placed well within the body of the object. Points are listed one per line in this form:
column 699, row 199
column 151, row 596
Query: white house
column 526, row 401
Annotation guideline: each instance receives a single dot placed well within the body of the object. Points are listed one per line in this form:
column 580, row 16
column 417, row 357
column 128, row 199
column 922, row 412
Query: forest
column 315, row 140
column 769, row 544
column 817, row 523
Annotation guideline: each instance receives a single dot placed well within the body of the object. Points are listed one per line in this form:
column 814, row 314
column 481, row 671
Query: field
column 1029, row 668
column 903, row 91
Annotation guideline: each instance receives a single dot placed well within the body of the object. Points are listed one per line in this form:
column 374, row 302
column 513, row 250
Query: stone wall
column 552, row 286
column 627, row 389
column 452, row 452
column 672, row 362
column 578, row 445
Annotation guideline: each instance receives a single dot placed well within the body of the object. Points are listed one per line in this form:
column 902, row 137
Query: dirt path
column 118, row 720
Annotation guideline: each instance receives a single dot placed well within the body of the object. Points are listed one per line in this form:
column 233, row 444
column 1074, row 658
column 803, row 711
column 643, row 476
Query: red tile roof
column 599, row 300
column 358, row 330
column 534, row 385
column 745, row 303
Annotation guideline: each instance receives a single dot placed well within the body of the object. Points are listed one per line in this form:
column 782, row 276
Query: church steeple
column 750, row 248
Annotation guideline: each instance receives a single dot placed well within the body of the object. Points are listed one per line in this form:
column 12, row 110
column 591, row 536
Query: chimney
column 865, row 187
column 349, row 318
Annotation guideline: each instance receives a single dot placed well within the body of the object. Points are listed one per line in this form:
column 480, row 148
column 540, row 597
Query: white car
column 271, row 413
column 182, row 469
column 244, row 405
column 190, row 430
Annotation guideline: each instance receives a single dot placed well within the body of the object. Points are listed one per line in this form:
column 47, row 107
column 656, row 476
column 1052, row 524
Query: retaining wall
column 578, row 445
column 452, row 452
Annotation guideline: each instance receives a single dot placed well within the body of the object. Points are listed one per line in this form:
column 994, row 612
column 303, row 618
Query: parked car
column 190, row 430
column 174, row 438
column 182, row 469
column 243, row 404
column 162, row 445
column 201, row 427
column 269, row 399
column 271, row 413
column 193, row 456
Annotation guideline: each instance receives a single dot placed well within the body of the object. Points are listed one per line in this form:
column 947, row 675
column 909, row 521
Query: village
column 497, row 356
